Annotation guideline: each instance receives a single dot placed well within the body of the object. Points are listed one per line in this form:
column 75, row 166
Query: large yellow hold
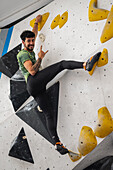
column 107, row 32
column 87, row 140
column 104, row 124
column 103, row 59
column 95, row 13
column 40, row 24
column 74, row 156
column 55, row 22
column 63, row 19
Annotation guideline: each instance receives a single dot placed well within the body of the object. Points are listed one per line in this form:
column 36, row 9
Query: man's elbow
column 32, row 72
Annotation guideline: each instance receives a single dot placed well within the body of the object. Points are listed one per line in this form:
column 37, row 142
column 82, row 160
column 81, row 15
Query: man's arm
column 35, row 28
column 32, row 69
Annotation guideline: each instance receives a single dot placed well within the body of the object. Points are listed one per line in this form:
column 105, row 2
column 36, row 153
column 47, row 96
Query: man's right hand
column 41, row 54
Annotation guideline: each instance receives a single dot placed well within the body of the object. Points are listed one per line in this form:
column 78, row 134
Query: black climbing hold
column 18, row 91
column 20, row 148
column 8, row 62
column 105, row 163
column 36, row 119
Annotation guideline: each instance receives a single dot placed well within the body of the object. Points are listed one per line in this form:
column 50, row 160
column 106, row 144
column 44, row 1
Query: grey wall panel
column 3, row 35
column 15, row 10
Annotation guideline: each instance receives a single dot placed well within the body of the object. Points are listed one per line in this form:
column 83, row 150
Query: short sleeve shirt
column 23, row 56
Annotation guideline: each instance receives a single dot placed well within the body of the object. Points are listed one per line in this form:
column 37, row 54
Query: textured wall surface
column 81, row 95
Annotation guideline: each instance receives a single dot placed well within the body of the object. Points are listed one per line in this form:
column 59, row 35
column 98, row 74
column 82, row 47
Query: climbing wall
column 80, row 95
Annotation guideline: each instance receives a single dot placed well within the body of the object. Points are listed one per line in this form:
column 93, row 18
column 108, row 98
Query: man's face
column 29, row 43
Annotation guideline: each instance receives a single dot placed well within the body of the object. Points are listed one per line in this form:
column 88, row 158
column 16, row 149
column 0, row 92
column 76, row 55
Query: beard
column 29, row 49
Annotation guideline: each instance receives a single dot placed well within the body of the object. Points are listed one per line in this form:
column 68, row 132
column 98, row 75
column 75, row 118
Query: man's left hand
column 41, row 53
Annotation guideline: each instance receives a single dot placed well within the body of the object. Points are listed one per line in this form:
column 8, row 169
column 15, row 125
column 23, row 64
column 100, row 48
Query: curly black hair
column 27, row 34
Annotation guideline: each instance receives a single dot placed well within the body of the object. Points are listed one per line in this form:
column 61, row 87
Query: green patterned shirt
column 23, row 56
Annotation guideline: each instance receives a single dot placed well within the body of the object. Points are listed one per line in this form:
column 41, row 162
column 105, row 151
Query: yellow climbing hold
column 74, row 156
column 63, row 19
column 43, row 21
column 107, row 32
column 104, row 124
column 55, row 22
column 103, row 59
column 95, row 13
column 91, row 72
column 32, row 22
column 87, row 140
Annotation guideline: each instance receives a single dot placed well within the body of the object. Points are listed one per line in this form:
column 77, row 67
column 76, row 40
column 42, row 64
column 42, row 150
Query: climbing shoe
column 91, row 61
column 60, row 148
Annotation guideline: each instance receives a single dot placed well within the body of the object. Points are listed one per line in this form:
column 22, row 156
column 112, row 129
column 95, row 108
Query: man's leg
column 37, row 84
column 47, row 74
column 51, row 71
column 43, row 101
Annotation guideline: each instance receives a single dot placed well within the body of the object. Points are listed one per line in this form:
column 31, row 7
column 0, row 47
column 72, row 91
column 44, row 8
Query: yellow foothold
column 95, row 13
column 87, row 140
column 43, row 21
column 74, row 156
column 55, row 22
column 107, row 32
column 63, row 19
column 103, row 59
column 104, row 124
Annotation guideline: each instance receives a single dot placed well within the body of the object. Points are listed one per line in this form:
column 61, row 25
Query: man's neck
column 27, row 50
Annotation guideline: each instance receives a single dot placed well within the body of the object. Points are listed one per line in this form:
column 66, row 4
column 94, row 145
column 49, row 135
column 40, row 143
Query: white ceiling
column 12, row 10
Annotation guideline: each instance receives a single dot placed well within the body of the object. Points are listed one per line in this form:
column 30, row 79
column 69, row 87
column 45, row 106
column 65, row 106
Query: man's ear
column 23, row 42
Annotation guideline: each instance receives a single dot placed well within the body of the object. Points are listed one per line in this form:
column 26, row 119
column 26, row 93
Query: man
column 37, row 80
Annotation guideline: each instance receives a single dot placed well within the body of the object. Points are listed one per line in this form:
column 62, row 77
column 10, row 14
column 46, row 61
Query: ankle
column 58, row 143
column 84, row 65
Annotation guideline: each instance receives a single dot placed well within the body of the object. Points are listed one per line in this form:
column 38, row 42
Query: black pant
column 36, row 86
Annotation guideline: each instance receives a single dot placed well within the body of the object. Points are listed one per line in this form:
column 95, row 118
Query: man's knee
column 63, row 64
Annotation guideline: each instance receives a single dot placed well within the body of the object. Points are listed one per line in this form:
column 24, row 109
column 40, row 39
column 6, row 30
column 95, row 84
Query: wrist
column 40, row 58
column 36, row 23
